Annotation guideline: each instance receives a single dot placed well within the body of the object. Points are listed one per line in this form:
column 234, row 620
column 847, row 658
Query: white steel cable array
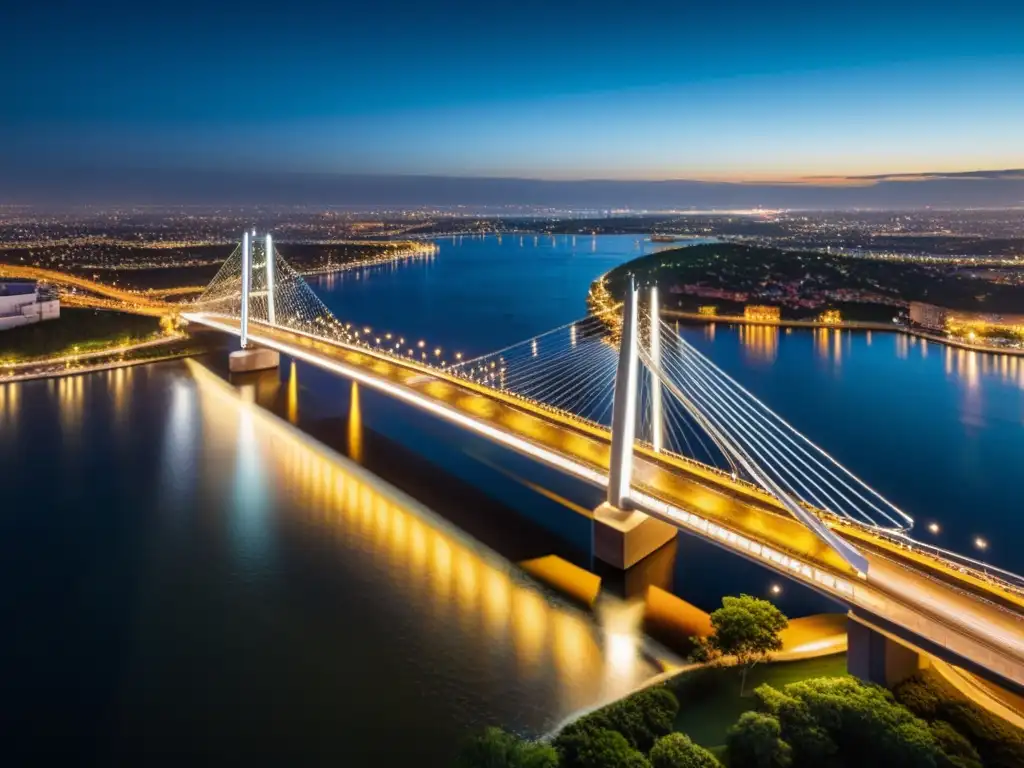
column 794, row 462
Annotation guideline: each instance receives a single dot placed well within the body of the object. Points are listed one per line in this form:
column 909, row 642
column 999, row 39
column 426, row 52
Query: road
column 974, row 619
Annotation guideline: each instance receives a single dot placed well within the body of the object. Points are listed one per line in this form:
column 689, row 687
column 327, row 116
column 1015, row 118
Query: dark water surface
column 185, row 580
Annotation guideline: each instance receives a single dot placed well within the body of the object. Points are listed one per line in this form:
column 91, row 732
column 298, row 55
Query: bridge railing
column 943, row 558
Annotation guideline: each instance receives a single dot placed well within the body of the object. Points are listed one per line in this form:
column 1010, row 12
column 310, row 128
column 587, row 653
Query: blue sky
column 563, row 91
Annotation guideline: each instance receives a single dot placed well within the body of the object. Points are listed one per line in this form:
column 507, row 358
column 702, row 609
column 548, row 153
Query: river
column 187, row 578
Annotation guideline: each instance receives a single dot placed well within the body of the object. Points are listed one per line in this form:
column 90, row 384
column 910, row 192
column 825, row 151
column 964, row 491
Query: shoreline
column 848, row 325
column 99, row 368
column 110, row 359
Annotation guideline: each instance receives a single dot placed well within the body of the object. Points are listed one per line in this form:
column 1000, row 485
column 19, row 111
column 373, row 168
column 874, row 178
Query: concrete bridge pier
column 622, row 538
column 253, row 359
column 875, row 656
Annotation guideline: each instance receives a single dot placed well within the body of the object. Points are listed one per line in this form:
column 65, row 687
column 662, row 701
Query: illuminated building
column 761, row 313
column 709, row 310
column 830, row 317
column 928, row 315
column 23, row 302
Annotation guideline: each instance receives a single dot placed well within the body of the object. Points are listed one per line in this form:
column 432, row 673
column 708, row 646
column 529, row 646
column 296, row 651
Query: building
column 760, row 313
column 830, row 317
column 928, row 315
column 23, row 302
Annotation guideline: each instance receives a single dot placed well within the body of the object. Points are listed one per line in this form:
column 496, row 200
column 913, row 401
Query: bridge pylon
column 246, row 287
column 624, row 405
column 623, row 536
column 657, row 417
column 247, row 360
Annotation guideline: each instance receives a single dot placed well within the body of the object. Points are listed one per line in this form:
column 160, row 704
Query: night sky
column 743, row 90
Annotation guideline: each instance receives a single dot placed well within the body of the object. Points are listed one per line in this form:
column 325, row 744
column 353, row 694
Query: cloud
column 1010, row 174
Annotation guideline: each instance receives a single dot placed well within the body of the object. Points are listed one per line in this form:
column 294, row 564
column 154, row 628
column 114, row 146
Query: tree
column 701, row 651
column 495, row 748
column 999, row 744
column 958, row 750
column 747, row 628
column 608, row 749
column 677, row 751
column 756, row 742
column 841, row 721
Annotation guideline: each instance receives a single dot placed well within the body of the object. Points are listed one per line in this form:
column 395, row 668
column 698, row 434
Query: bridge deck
column 912, row 590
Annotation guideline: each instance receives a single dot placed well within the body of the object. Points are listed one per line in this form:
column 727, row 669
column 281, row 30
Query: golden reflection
column 902, row 346
column 821, row 343
column 869, row 338
column 571, row 645
column 621, row 624
column 709, row 331
column 531, row 630
column 838, row 345
column 455, row 584
column 761, row 341
column 121, row 391
column 355, row 426
column 971, row 369
column 9, row 404
column 70, row 390
column 293, row 394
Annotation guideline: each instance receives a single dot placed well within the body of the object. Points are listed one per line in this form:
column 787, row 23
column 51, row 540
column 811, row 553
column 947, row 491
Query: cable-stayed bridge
column 624, row 403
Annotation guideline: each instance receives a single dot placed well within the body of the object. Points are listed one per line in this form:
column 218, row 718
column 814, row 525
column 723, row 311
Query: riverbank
column 847, row 325
column 123, row 356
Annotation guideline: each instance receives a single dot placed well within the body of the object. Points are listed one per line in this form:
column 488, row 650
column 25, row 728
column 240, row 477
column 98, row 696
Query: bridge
column 623, row 403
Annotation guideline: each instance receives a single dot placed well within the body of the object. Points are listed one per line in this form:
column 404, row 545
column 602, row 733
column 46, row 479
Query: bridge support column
column 253, row 359
column 622, row 538
column 875, row 657
column 271, row 314
column 620, row 470
column 657, row 423
column 246, row 280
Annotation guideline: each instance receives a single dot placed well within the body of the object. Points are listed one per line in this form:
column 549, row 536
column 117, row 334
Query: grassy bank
column 76, row 331
column 710, row 701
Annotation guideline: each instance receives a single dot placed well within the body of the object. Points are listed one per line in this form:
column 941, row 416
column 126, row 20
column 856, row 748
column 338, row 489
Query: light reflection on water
column 454, row 590
column 237, row 589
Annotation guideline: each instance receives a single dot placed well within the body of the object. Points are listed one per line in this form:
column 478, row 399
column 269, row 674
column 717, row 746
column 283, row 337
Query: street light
column 776, row 589
column 980, row 543
column 934, row 527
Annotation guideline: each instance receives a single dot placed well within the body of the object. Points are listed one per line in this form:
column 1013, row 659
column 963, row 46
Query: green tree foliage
column 999, row 744
column 701, row 651
column 641, row 719
column 747, row 628
column 494, row 748
column 959, row 752
column 677, row 751
column 756, row 742
column 841, row 721
column 603, row 748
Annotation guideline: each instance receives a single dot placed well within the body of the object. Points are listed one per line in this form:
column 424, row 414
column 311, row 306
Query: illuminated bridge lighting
column 725, row 467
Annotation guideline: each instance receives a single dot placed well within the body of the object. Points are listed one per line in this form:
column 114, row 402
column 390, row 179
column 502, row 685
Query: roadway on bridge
column 978, row 621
